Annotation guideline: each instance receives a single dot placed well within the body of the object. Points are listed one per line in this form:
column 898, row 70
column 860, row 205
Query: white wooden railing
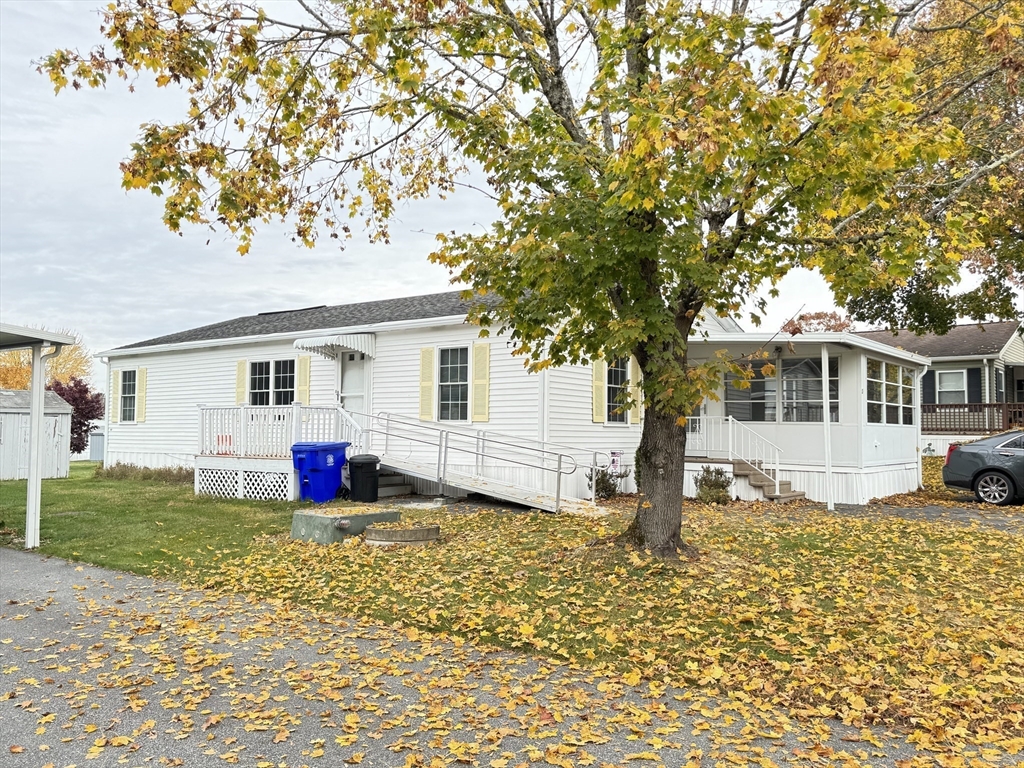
column 717, row 437
column 270, row 431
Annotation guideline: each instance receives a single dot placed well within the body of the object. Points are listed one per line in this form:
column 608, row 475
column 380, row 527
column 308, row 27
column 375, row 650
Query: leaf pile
column 873, row 621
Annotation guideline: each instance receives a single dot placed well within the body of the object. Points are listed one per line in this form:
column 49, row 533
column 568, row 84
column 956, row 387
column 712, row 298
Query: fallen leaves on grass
column 872, row 621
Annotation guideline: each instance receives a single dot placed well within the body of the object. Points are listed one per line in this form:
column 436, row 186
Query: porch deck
column 970, row 418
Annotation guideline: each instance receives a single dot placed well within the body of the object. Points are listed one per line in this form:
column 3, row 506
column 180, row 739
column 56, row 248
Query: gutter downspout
column 35, row 453
column 826, row 420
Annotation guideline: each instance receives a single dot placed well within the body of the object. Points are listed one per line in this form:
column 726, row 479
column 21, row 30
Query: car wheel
column 993, row 488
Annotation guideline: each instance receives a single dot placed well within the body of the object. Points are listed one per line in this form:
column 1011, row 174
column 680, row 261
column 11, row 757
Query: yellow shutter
column 636, row 412
column 115, row 396
column 140, row 395
column 481, row 382
column 600, row 375
column 240, row 398
column 427, row 384
column 302, row 379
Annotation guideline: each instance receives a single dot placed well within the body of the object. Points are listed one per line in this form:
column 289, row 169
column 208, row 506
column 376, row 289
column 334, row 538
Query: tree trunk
column 660, row 463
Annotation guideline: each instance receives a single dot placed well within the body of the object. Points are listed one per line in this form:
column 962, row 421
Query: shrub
column 119, row 471
column 605, row 482
column 713, row 485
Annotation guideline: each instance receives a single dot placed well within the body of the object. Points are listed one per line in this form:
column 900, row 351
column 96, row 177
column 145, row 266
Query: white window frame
column 904, row 391
column 1000, row 385
column 272, row 392
column 134, row 396
column 609, row 405
column 938, row 387
column 468, row 349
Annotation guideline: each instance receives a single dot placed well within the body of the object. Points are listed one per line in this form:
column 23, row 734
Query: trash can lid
column 319, row 446
column 364, row 458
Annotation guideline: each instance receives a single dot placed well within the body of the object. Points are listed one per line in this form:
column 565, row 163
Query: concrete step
column 394, row 490
column 784, row 497
column 391, row 478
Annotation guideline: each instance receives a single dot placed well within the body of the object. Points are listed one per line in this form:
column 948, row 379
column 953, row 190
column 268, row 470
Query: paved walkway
column 99, row 668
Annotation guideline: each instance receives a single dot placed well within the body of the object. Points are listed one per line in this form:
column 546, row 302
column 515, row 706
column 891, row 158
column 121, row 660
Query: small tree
column 813, row 322
column 73, row 361
column 87, row 405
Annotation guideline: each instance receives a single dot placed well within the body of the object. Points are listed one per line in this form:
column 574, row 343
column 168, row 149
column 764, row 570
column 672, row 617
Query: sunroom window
column 802, row 389
column 890, row 393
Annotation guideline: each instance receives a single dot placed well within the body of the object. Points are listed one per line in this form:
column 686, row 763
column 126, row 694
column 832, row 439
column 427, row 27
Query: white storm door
column 353, row 381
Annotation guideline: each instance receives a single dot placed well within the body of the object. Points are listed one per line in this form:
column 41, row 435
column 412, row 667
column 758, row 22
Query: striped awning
column 332, row 346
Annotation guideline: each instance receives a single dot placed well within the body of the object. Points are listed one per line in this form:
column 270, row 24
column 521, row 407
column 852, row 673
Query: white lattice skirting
column 231, row 478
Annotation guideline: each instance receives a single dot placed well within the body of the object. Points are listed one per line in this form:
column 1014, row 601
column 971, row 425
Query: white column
column 826, row 421
column 37, row 395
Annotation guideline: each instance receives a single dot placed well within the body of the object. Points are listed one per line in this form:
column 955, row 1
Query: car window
column 1017, row 442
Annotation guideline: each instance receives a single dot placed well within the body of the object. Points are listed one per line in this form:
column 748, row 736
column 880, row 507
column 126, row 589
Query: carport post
column 35, row 440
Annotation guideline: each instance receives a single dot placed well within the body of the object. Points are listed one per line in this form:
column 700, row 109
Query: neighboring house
column 451, row 409
column 15, row 427
column 975, row 384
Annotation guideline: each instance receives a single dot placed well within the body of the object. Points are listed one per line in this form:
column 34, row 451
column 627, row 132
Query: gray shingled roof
column 12, row 400
column 975, row 339
column 323, row 318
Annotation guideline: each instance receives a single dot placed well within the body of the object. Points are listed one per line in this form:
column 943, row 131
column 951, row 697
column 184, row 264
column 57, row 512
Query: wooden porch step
column 785, row 497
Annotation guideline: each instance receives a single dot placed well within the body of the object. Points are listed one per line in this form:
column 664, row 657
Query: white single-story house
column 15, row 427
column 410, row 380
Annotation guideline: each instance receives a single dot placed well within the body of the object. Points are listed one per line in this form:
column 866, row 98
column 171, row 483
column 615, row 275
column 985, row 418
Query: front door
column 353, row 381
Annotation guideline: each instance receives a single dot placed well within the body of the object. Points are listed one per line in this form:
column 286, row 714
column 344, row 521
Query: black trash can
column 364, row 472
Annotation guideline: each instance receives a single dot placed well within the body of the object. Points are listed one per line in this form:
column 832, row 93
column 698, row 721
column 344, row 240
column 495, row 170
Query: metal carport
column 16, row 337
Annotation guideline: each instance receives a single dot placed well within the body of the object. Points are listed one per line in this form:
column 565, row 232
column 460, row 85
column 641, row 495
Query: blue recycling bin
column 319, row 467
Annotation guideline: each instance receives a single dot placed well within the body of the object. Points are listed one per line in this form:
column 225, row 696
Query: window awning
column 332, row 346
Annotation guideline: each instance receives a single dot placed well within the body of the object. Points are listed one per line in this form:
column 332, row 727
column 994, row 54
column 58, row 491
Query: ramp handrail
column 726, row 437
column 447, row 441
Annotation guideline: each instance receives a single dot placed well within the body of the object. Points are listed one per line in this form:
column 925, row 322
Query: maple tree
column 652, row 160
column 87, row 407
column 74, row 360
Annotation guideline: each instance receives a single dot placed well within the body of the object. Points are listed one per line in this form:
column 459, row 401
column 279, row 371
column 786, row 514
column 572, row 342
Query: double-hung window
column 271, row 382
column 1000, row 387
column 802, row 389
column 617, row 384
column 951, row 386
column 453, row 384
column 890, row 393
column 128, row 393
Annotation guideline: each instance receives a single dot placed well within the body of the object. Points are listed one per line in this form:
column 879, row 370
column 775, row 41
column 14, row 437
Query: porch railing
column 268, row 432
column 970, row 418
column 717, row 437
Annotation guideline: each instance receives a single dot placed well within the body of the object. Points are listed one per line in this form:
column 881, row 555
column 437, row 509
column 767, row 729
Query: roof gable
column 971, row 340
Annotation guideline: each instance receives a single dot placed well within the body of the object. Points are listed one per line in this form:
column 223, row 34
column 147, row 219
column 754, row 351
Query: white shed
column 15, row 427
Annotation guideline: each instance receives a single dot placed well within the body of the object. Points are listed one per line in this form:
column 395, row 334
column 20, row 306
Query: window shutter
column 115, row 396
column 928, row 388
column 302, row 380
column 427, row 384
column 240, row 387
column 600, row 391
column 140, row 395
column 974, row 385
column 636, row 412
column 481, row 382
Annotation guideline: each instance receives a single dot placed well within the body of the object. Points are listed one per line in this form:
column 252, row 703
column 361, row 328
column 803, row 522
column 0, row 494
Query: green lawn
column 140, row 526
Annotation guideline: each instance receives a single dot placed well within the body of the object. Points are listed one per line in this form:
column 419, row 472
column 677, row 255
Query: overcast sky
column 78, row 252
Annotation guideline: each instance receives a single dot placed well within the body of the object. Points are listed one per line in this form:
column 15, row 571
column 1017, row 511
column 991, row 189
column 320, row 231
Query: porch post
column 826, row 420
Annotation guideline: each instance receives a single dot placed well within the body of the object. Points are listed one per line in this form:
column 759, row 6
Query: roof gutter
column 846, row 339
